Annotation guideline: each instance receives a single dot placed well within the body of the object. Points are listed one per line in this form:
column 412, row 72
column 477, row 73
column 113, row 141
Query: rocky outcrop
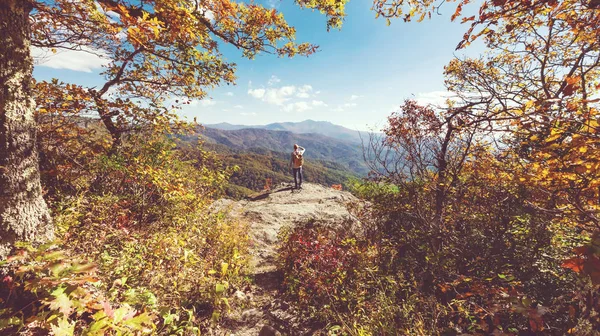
column 265, row 312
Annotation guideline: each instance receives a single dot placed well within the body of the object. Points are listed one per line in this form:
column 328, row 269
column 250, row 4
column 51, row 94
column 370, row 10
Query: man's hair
column 295, row 146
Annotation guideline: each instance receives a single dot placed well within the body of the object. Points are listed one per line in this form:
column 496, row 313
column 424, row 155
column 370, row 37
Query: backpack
column 298, row 159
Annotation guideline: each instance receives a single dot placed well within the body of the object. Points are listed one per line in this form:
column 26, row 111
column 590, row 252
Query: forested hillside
column 258, row 165
column 318, row 147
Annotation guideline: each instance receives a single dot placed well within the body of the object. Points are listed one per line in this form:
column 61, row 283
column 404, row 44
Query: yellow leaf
column 552, row 137
column 529, row 104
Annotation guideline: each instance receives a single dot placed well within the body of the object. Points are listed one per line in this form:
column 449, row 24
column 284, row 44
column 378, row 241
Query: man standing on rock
column 296, row 162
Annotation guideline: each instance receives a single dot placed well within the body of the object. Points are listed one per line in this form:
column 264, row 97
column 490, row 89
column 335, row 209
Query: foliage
column 511, row 153
column 151, row 228
column 123, row 196
column 160, row 51
column 141, row 213
column 333, row 275
column 45, row 290
column 466, row 278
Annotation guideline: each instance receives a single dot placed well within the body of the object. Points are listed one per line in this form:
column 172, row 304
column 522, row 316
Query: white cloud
column 318, row 103
column 204, row 102
column 280, row 95
column 338, row 109
column 112, row 16
column 354, row 97
column 238, row 106
column 297, row 107
column 256, row 93
column 437, row 98
column 350, row 105
column 304, row 91
column 122, row 35
column 209, row 14
column 275, row 96
column 274, row 3
column 284, row 95
column 317, row 92
column 248, row 113
column 112, row 92
column 85, row 60
column 225, row 110
column 273, row 80
column 230, row 94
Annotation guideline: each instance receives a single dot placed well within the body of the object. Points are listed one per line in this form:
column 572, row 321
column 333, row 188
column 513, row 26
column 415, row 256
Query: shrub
column 45, row 290
column 140, row 215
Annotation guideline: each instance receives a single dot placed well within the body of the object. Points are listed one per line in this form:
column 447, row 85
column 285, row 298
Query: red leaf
column 575, row 264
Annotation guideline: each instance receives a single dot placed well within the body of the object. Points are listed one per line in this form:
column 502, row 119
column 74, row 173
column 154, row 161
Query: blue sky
column 360, row 75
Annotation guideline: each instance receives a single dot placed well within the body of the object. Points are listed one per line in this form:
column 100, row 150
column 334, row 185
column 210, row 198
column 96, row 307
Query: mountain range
column 304, row 127
column 319, row 147
column 334, row 154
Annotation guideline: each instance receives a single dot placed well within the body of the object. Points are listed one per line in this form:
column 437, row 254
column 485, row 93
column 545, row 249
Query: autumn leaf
column 63, row 328
column 575, row 264
column 61, row 302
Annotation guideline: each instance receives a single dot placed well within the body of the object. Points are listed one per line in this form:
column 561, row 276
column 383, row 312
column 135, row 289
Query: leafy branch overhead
column 494, row 18
column 165, row 48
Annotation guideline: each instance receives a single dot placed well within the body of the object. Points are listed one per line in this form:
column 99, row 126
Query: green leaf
column 123, row 313
column 61, row 302
column 56, row 255
column 219, row 288
column 97, row 327
column 64, row 327
column 226, row 302
column 83, row 268
column 216, row 315
column 138, row 322
column 10, row 322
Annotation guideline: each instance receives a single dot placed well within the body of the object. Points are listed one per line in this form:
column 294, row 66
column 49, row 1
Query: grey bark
column 24, row 214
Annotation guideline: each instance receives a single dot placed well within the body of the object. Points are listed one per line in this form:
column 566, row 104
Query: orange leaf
column 575, row 264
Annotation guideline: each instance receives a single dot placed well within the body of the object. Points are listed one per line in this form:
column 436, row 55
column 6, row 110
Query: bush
column 161, row 261
column 46, row 290
column 333, row 275
column 495, row 271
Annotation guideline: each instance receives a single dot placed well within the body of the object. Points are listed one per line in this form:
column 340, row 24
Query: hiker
column 296, row 162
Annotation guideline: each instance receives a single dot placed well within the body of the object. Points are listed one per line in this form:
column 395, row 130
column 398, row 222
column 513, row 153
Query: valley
column 263, row 154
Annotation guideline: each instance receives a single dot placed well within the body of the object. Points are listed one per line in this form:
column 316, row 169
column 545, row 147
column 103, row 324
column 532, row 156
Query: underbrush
column 391, row 275
column 331, row 274
column 139, row 250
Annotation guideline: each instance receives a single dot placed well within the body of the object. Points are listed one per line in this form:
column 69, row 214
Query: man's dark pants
column 297, row 176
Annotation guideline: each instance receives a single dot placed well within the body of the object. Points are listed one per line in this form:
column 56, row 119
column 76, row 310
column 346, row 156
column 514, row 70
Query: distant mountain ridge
column 318, row 147
column 304, row 127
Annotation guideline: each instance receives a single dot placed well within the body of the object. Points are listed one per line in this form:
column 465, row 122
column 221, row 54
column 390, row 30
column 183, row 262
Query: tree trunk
column 23, row 211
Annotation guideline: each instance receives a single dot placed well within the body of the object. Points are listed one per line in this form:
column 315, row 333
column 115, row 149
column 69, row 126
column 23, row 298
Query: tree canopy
column 162, row 53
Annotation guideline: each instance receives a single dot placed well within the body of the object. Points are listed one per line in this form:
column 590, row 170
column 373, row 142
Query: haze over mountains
column 318, row 147
column 304, row 127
